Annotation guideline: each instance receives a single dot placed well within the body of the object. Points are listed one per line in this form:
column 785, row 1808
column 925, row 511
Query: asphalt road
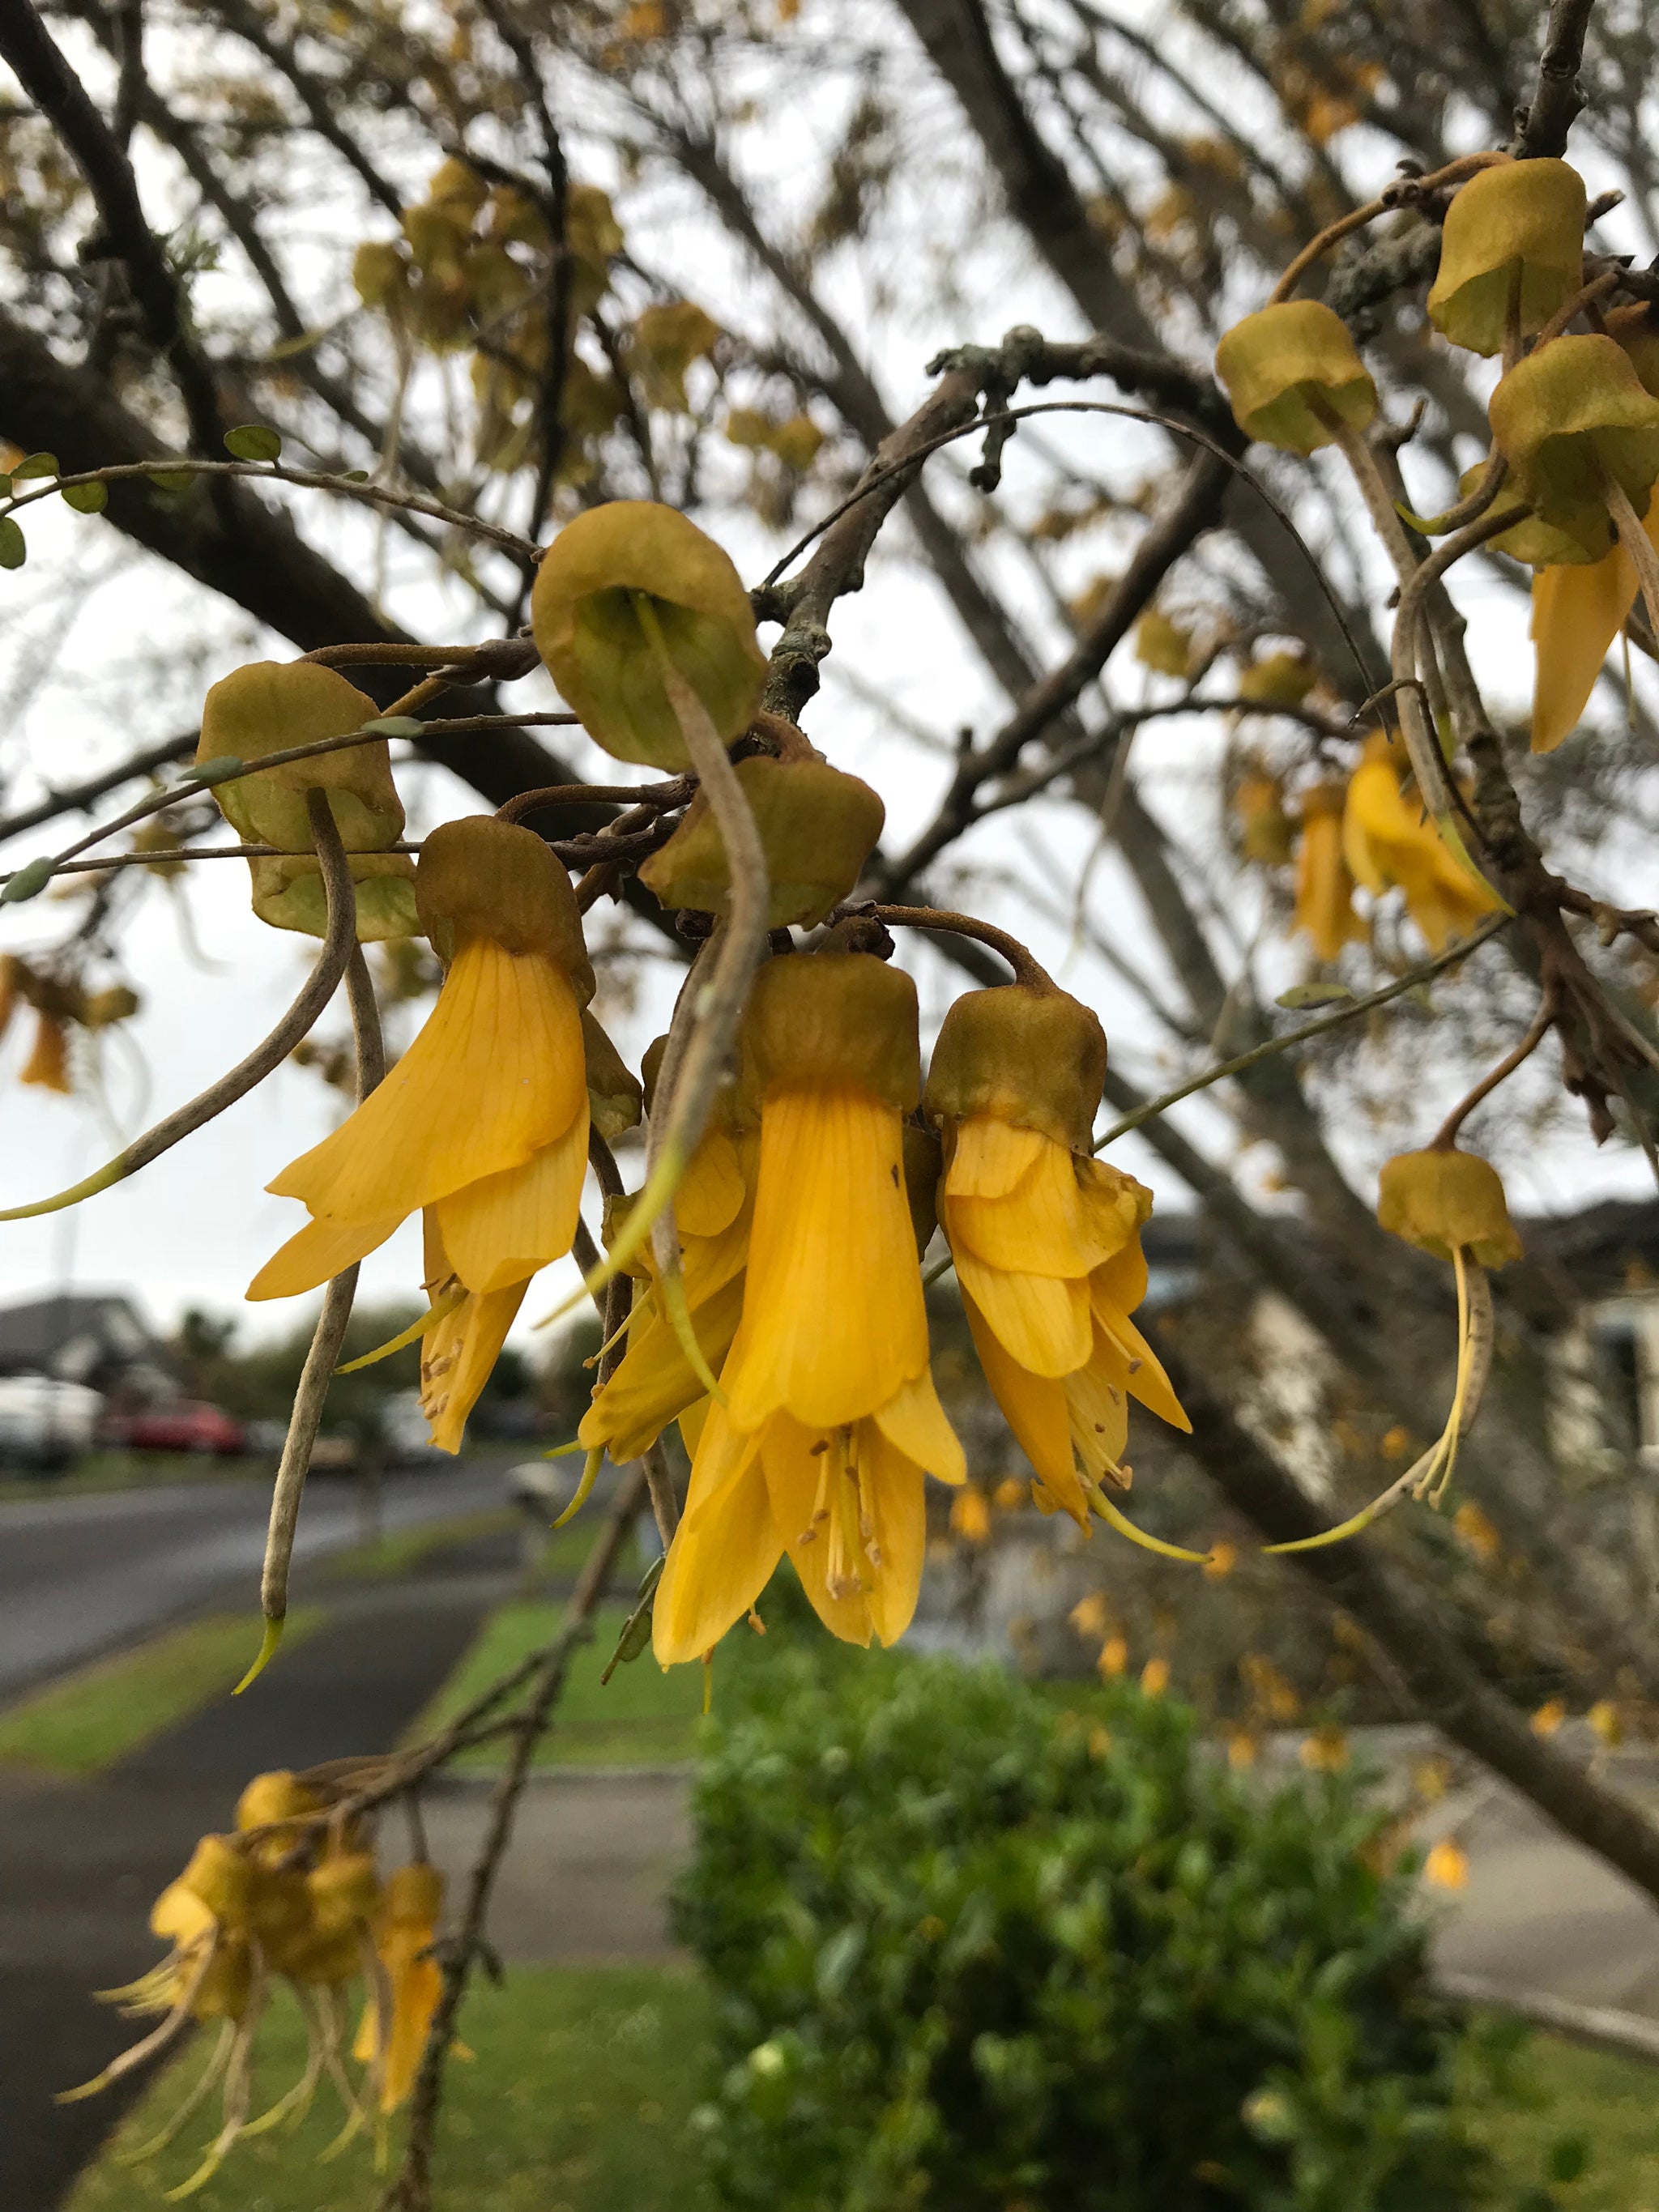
column 80, row 1574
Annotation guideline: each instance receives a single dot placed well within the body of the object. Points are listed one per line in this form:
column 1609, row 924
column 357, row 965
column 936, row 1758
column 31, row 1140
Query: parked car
column 46, row 1425
column 407, row 1433
column 188, row 1424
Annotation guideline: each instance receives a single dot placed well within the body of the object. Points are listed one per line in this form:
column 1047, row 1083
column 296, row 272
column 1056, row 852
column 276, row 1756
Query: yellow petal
column 1097, row 1412
column 502, row 1228
column 496, row 1073
column 316, row 1253
column 1123, row 1277
column 458, row 1357
column 1145, row 1377
column 1043, row 1321
column 723, row 1552
column 1035, row 1408
column 1043, row 1226
column 897, row 1504
column 653, row 1382
column 712, row 1190
column 990, row 1158
column 913, row 1421
column 835, row 1321
column 889, row 1539
column 693, row 1421
column 1576, row 613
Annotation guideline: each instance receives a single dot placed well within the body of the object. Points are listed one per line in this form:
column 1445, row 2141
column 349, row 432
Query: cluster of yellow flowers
column 294, row 1892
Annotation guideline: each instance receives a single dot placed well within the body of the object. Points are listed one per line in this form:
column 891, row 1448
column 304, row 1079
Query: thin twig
column 1446, row 1135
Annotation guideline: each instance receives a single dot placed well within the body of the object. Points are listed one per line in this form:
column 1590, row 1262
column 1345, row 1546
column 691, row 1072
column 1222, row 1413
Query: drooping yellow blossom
column 1387, row 841
column 47, row 1065
column 831, row 1415
column 1046, row 1240
column 818, row 827
column 1578, row 609
column 1451, row 1204
column 413, row 1981
column 484, row 1119
column 1569, row 419
column 1324, row 881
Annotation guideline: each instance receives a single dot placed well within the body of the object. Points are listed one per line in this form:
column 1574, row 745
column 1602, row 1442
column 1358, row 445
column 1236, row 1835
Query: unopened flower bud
column 833, row 1021
column 482, row 878
column 1568, row 417
column 1267, row 833
column 1518, row 226
column 585, row 616
column 614, row 1095
column 924, row 1163
column 269, row 706
column 1444, row 1200
column 414, row 1892
column 1288, row 368
column 287, row 894
column 222, row 1877
column 276, row 1797
column 1032, row 1058
column 1537, row 543
column 818, row 827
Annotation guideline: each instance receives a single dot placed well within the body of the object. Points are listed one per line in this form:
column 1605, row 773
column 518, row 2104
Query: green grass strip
column 86, row 1719
column 641, row 1718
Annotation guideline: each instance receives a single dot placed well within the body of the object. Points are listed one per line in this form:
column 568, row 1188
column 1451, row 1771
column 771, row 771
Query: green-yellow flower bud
column 1440, row 1200
column 1288, row 368
column 1035, row 1059
column 1567, row 418
column 585, row 616
column 483, row 877
column 1518, row 225
column 818, row 827
column 834, row 1020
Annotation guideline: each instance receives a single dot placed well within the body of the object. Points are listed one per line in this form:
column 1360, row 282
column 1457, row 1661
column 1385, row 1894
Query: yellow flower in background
column 1388, row 841
column 653, row 1383
column 47, row 1065
column 1324, row 881
column 413, row 1981
column 1446, row 1866
column 484, row 1119
column 1292, row 375
column 831, row 1415
column 1045, row 1239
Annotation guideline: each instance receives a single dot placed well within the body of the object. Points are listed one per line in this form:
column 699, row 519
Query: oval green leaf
column 37, row 464
column 253, row 441
column 1301, row 995
column 14, row 551
column 173, row 479
column 220, row 770
column 87, row 498
column 29, row 881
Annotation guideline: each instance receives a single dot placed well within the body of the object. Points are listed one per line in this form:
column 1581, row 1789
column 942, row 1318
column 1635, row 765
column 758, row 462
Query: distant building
column 98, row 1337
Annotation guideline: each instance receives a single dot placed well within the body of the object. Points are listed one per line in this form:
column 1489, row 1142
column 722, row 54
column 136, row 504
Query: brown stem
column 653, row 798
column 1445, row 1136
column 1409, row 188
column 1585, row 297
column 1027, row 970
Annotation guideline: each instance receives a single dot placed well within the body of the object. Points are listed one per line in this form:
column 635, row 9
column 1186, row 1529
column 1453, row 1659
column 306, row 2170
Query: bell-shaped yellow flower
column 1443, row 1202
column 268, row 706
column 1578, row 611
column 653, row 1383
column 1266, row 832
column 585, row 616
column 1515, row 229
column 1571, row 415
column 404, row 1935
column 1278, row 679
column 47, row 1065
column 484, row 1119
column 817, row 826
column 1290, row 367
column 1324, row 881
column 1387, row 841
column 831, row 1415
column 1046, row 1240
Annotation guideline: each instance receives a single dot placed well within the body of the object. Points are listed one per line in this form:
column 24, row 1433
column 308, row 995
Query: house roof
column 36, row 1331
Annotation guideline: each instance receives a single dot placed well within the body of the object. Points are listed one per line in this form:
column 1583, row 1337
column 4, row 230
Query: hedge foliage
column 971, row 1952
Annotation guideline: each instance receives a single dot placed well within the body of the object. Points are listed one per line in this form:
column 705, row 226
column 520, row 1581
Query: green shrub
column 972, row 1954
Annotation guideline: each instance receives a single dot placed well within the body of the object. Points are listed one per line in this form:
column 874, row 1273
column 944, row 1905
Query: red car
column 188, row 1425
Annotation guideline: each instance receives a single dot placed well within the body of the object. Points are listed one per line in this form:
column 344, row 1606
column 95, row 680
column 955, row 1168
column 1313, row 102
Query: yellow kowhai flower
column 1046, row 1240
column 831, row 1416
column 1324, row 881
column 653, row 1383
column 483, row 1121
column 411, row 1982
column 1387, row 841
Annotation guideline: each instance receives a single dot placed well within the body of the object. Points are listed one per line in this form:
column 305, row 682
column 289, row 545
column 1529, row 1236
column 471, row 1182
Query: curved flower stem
column 338, row 942
column 1587, row 296
column 1402, row 194
column 318, row 1372
column 1114, row 1519
column 1027, row 970
column 1636, row 543
column 1446, row 1135
column 1474, row 504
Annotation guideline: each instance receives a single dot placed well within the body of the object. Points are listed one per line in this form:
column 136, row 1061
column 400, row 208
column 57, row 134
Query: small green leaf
column 173, row 479
column 395, row 725
column 1313, row 995
column 37, row 464
column 253, row 441
column 13, row 550
column 220, row 770
column 354, row 476
column 29, row 881
column 87, row 498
